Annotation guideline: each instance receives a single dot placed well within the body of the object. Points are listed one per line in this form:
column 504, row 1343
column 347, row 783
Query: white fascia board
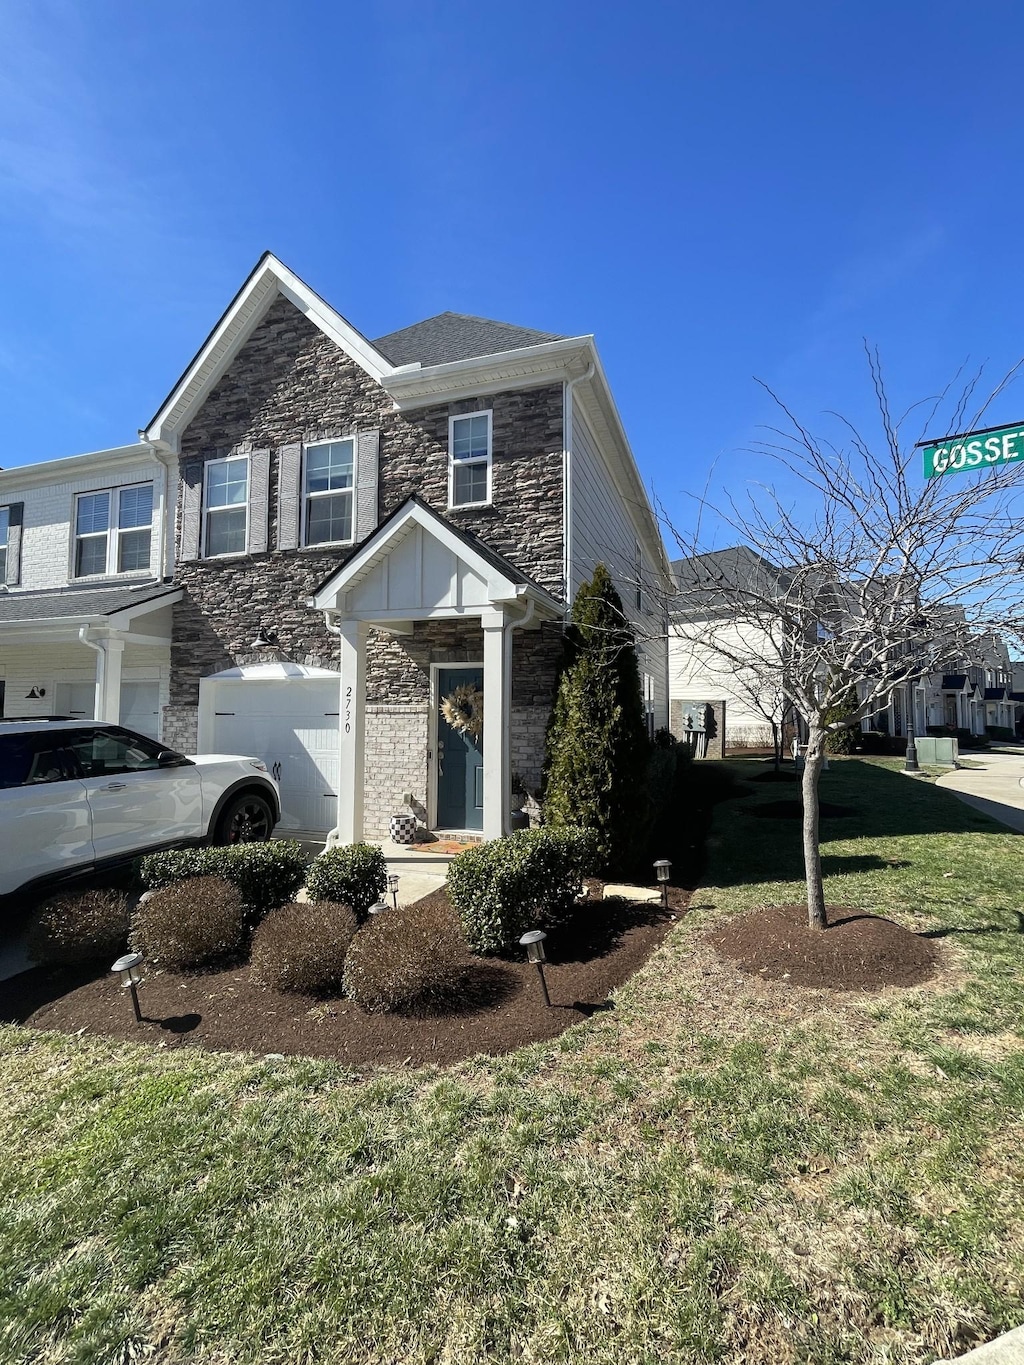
column 73, row 467
column 549, row 362
column 122, row 619
column 603, row 415
column 271, row 278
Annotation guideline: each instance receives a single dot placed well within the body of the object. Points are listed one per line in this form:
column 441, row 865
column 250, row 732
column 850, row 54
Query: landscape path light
column 533, row 942
column 393, row 887
column 130, row 967
column 662, row 867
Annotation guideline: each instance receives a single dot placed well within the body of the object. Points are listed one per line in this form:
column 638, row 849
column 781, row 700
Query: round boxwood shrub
column 528, row 880
column 353, row 874
column 408, row 961
column 191, row 925
column 266, row 875
column 79, row 928
column 301, row 947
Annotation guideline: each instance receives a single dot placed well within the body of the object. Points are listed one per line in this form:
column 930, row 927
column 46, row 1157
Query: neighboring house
column 85, row 606
column 416, row 510
column 973, row 691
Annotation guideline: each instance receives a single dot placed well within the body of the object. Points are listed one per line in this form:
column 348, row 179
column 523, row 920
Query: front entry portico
column 418, row 568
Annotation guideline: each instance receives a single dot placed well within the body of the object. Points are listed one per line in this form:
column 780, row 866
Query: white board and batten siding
column 602, row 531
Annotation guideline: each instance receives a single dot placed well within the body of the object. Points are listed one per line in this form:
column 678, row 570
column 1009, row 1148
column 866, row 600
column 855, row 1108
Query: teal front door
column 460, row 760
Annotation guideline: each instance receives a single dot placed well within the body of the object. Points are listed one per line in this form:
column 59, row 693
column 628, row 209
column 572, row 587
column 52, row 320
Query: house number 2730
column 348, row 710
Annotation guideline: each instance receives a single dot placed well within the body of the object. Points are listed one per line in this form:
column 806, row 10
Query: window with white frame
column 327, row 492
column 5, row 528
column 113, row 531
column 648, row 683
column 469, row 465
column 226, row 504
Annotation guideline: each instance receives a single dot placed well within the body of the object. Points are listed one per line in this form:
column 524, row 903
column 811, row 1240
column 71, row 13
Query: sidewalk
column 995, row 789
column 1005, row 1350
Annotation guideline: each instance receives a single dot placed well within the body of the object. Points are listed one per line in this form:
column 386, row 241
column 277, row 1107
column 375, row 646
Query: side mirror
column 167, row 758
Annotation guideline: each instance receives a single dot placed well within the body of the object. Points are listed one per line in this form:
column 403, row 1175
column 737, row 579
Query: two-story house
column 85, row 601
column 413, row 513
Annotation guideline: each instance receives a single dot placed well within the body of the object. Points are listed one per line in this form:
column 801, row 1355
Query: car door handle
column 114, row 787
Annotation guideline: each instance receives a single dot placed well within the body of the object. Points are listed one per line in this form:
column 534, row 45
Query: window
column 648, row 686
column 113, row 530
column 225, row 524
column 106, row 753
column 5, row 527
column 327, row 492
column 469, row 445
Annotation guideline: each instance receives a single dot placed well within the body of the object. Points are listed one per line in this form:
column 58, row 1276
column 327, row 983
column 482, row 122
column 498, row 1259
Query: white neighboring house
column 85, row 611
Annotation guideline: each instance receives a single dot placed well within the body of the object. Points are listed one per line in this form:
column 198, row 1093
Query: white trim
column 487, row 460
column 205, row 508
column 269, row 279
column 304, row 544
column 71, row 467
column 432, row 766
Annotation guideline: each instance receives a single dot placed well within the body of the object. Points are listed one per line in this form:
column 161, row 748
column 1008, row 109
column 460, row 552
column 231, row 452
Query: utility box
column 939, row 750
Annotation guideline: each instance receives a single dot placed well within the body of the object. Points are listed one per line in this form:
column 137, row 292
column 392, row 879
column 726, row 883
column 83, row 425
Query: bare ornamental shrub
column 407, row 961
column 79, row 928
column 190, row 925
column 302, row 947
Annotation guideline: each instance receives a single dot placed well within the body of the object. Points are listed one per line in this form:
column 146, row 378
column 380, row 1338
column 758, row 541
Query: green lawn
column 718, row 1169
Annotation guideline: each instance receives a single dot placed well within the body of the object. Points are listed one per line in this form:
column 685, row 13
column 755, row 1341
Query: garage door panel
column 290, row 726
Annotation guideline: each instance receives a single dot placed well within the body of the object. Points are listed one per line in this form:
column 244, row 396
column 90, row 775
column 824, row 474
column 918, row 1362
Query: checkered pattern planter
column 402, row 829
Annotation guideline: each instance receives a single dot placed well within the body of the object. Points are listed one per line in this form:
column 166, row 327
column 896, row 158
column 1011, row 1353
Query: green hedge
column 528, row 880
column 354, row 874
column 265, row 875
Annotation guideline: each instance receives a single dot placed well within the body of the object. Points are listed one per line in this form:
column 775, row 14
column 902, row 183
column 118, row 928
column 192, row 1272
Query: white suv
column 75, row 795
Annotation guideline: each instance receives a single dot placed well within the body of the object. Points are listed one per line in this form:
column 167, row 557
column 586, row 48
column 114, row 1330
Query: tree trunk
column 812, row 848
column 777, row 744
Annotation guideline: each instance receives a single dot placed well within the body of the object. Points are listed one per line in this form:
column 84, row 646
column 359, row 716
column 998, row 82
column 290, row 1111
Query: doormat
column 447, row 846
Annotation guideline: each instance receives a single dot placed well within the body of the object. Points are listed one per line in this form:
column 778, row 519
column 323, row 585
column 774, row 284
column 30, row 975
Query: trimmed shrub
column 1001, row 732
column 301, row 947
column 265, row 875
column 79, row 928
column 874, row 742
column 842, row 741
column 528, row 880
column 190, row 925
column 354, row 874
column 408, row 961
column 596, row 743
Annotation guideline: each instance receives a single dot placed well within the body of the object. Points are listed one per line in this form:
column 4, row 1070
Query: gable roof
column 78, row 604
column 504, row 582
column 456, row 336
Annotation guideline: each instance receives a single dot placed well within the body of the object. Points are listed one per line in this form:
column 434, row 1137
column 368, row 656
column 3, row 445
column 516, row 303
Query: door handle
column 114, row 787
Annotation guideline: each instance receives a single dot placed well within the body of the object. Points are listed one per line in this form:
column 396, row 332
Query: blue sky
column 717, row 192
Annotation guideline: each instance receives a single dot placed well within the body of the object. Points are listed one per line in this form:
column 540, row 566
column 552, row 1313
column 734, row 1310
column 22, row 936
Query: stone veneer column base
column 395, row 749
column 181, row 728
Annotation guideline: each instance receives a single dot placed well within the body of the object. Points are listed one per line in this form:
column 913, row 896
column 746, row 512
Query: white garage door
column 293, row 726
column 140, row 707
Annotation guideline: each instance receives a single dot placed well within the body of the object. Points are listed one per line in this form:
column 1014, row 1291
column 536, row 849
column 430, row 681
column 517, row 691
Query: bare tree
column 879, row 579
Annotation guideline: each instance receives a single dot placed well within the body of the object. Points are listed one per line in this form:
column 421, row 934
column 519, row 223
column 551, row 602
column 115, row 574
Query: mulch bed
column 223, row 1011
column 793, row 810
column 855, row 952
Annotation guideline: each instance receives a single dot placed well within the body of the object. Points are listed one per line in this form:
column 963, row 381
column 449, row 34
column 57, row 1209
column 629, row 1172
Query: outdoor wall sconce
column 662, row 867
column 533, row 942
column 393, row 888
column 36, row 694
column 130, row 967
column 265, row 639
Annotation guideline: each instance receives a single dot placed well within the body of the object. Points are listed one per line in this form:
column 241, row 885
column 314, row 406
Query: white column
column 497, row 707
column 351, row 734
column 108, row 680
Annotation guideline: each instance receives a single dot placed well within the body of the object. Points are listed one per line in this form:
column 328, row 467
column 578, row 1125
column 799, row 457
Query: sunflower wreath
column 463, row 709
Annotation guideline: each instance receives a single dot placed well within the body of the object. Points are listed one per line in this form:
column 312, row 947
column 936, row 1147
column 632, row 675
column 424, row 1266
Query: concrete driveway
column 994, row 788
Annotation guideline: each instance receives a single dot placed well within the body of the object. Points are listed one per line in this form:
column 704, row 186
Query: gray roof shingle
column 71, row 603
column 455, row 336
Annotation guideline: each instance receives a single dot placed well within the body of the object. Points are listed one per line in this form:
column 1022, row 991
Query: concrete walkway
column 1005, row 1350
column 996, row 788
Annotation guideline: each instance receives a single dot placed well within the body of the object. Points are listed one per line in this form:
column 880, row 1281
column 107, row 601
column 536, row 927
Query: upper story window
column 226, row 503
column 113, row 531
column 469, row 465
column 5, row 530
column 327, row 483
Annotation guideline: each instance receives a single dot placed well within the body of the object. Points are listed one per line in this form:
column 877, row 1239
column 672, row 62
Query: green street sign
column 972, row 450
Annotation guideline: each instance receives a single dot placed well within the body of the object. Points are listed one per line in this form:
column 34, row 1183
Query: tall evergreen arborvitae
column 597, row 744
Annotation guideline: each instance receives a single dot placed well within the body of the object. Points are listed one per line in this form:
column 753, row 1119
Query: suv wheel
column 247, row 819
